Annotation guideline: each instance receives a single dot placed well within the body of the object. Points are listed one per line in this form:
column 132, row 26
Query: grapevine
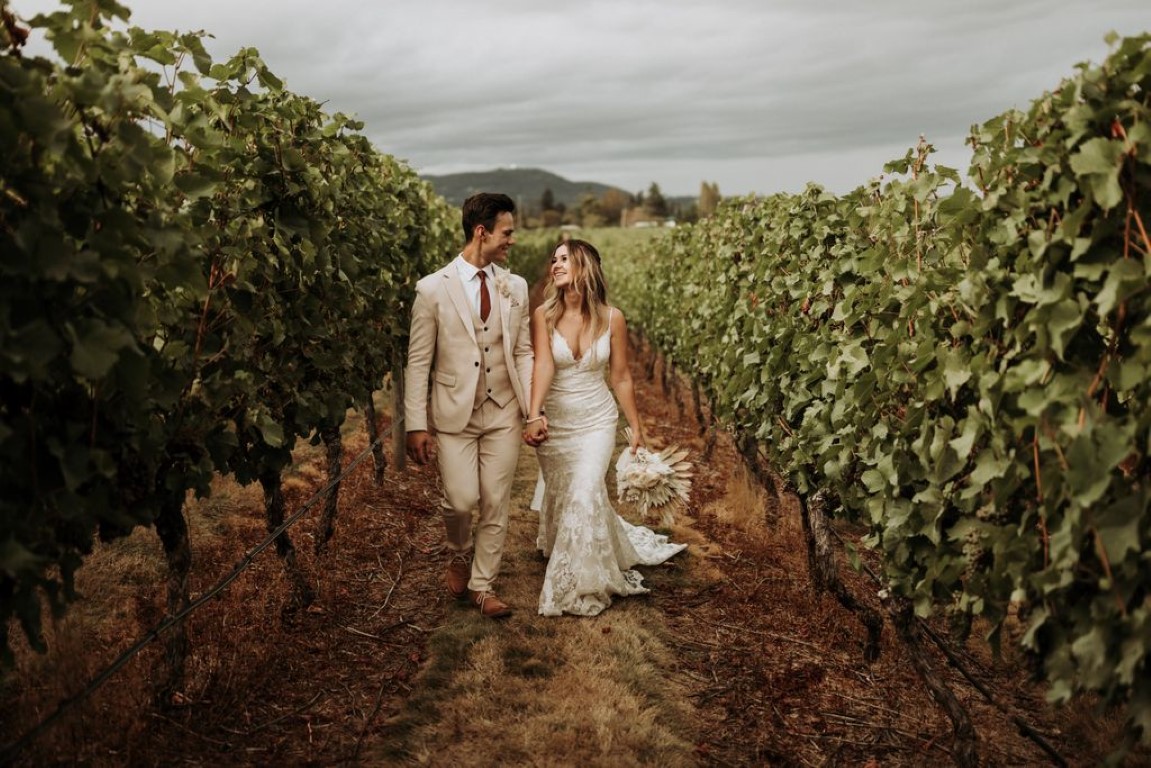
column 964, row 363
column 200, row 268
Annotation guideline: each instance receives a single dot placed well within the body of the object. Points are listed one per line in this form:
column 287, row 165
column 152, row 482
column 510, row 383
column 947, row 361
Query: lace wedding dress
column 590, row 549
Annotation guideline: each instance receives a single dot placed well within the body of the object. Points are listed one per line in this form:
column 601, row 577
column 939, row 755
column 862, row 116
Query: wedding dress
column 590, row 548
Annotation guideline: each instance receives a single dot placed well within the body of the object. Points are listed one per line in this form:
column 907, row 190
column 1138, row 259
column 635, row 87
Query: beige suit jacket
column 442, row 349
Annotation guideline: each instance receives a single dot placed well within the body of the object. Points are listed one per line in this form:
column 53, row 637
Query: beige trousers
column 477, row 467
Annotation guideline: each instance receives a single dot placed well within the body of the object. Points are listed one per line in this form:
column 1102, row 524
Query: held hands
column 536, row 430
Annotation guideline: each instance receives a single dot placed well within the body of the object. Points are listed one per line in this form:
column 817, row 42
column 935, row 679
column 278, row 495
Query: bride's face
column 562, row 268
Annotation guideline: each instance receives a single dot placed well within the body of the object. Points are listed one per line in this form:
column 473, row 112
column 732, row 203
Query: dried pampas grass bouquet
column 653, row 479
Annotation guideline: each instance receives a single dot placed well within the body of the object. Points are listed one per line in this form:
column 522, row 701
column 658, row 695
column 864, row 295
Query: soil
column 775, row 671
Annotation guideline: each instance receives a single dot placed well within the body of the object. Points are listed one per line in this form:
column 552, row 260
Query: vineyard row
column 199, row 269
column 963, row 364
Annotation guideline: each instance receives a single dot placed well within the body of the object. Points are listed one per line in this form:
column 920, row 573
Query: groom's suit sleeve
column 524, row 357
column 421, row 350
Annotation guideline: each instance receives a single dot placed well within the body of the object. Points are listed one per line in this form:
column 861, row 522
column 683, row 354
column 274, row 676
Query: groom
column 470, row 340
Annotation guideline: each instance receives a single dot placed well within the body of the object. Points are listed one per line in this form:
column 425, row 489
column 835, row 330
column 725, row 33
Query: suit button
column 477, row 365
column 489, row 391
column 485, row 327
column 487, row 349
column 489, row 370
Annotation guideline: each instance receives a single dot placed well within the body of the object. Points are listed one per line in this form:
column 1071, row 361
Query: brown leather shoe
column 459, row 571
column 490, row 605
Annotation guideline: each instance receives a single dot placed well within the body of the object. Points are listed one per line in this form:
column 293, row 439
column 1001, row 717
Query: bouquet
column 653, row 479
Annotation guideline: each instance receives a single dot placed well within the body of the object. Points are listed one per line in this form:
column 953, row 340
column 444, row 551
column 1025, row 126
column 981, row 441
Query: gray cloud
column 756, row 95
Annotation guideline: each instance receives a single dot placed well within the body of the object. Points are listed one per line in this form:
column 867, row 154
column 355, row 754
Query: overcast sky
column 754, row 95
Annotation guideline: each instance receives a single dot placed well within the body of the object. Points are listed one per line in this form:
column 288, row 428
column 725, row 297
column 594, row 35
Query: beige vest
column 495, row 380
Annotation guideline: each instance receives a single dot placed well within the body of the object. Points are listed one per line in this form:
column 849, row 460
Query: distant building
column 640, row 217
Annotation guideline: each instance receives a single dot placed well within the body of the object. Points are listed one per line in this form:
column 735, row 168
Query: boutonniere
column 502, row 286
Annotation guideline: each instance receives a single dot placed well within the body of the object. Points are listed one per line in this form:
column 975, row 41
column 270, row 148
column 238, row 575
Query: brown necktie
column 485, row 297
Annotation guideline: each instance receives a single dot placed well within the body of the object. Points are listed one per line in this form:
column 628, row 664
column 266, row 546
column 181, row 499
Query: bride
column 577, row 336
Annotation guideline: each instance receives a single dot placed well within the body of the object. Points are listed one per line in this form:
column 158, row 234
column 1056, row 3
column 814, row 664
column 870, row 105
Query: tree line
column 615, row 208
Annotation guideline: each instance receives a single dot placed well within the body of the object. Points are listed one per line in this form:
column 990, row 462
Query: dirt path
column 532, row 690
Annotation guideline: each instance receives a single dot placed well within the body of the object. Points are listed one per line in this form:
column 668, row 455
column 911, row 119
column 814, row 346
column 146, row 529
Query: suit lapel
column 505, row 306
column 455, row 288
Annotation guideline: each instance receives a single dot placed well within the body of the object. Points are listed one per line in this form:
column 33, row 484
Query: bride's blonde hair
column 587, row 280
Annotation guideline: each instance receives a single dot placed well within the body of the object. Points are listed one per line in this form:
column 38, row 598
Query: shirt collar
column 468, row 271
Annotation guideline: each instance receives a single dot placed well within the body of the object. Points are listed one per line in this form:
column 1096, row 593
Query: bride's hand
column 638, row 440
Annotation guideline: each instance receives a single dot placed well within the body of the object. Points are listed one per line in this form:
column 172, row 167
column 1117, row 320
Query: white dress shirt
column 469, row 277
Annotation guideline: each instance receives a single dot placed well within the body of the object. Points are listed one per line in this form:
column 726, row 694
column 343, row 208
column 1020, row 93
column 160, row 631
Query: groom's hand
column 420, row 445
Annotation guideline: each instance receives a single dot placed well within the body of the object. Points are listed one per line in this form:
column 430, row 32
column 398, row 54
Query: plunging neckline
column 594, row 341
column 568, row 346
column 571, row 351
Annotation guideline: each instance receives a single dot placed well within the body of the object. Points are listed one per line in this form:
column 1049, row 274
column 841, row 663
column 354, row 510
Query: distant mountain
column 524, row 185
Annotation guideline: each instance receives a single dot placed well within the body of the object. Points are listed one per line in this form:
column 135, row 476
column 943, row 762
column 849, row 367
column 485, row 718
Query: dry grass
column 110, row 584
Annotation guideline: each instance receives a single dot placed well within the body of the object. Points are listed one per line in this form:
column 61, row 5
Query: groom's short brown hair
column 483, row 208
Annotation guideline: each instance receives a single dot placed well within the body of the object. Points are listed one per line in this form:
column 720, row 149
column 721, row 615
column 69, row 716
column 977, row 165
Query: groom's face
column 499, row 241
